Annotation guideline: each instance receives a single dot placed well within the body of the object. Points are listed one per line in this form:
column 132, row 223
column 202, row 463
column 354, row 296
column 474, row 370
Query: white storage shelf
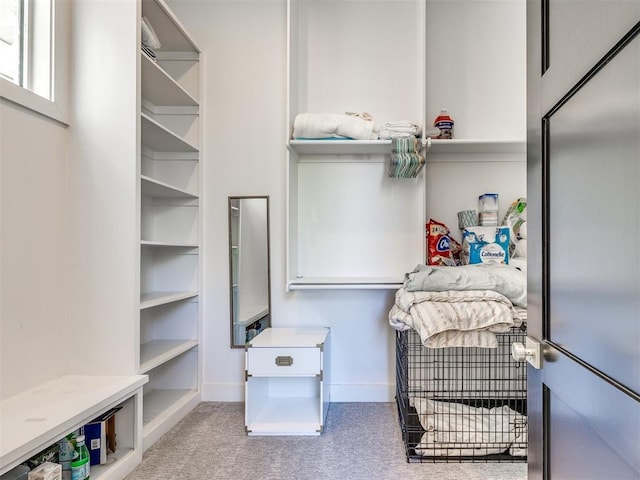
column 160, row 139
column 154, row 299
column 157, row 189
column 172, row 34
column 170, row 214
column 287, row 382
column 350, row 226
column 160, row 88
column 157, row 352
column 346, row 221
column 35, row 419
column 332, row 242
column 172, row 391
column 475, row 146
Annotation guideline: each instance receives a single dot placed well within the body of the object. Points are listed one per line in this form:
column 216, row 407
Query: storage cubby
column 348, row 224
column 287, row 379
column 172, row 391
column 40, row 417
column 169, row 321
column 346, row 217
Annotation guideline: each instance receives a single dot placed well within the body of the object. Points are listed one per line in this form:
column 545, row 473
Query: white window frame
column 57, row 107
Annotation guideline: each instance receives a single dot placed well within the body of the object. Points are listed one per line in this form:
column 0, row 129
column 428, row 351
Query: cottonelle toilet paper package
column 485, row 245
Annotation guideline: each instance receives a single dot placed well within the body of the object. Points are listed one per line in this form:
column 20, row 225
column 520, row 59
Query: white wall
column 33, row 327
column 244, row 44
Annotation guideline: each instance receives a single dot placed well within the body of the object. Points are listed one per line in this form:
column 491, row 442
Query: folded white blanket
column 504, row 279
column 453, row 318
column 454, row 429
column 399, row 129
column 334, row 125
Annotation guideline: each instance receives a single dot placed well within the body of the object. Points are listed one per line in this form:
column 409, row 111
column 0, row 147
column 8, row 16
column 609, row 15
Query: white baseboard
column 234, row 392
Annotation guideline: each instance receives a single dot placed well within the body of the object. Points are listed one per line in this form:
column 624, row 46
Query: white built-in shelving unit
column 349, row 226
column 35, row 419
column 170, row 224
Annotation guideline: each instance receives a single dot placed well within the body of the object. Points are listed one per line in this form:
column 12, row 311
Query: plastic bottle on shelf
column 80, row 466
column 444, row 123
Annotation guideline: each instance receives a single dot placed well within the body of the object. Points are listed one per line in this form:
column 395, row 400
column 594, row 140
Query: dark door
column 584, row 238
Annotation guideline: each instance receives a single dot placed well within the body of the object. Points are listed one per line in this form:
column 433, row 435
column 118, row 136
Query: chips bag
column 442, row 249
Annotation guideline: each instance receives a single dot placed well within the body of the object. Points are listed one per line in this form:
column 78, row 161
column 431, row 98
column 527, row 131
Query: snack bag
column 442, row 249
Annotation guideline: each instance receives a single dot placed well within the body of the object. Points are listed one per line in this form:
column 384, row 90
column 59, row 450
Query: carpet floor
column 361, row 441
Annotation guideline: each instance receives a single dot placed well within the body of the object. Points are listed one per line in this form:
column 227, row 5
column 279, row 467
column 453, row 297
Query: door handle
column 531, row 352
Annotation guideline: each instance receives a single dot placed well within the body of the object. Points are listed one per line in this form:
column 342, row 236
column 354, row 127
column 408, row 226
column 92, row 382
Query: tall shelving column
column 350, row 226
column 481, row 79
column 170, row 219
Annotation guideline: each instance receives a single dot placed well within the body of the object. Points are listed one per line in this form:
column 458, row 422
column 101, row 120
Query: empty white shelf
column 157, row 352
column 344, row 283
column 153, row 299
column 158, row 138
column 158, row 189
column 160, row 89
column 476, row 146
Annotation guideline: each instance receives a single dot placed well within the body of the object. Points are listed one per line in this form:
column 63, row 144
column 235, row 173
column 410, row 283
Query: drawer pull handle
column 284, row 361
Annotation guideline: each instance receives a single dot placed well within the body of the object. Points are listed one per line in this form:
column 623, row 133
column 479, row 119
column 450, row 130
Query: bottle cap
column 80, row 438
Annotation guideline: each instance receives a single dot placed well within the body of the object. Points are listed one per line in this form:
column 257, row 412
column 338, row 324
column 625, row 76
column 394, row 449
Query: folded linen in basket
column 504, row 279
column 453, row 318
column 455, row 429
column 357, row 126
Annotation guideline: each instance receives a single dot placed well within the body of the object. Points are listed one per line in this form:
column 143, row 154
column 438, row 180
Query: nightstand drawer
column 283, row 361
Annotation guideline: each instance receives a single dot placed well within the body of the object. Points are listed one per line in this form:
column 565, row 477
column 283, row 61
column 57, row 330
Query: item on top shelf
column 488, row 219
column 46, row 471
column 67, row 448
column 444, row 122
column 149, row 36
column 516, row 220
column 467, row 218
column 49, row 454
column 488, row 202
column 433, row 132
column 150, row 53
column 488, row 206
column 442, row 249
column 322, row 126
column 405, row 161
column 485, row 245
column 399, row 129
column 80, row 466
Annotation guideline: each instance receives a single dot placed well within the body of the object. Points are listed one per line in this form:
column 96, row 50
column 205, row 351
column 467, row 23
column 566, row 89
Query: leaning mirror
column 249, row 267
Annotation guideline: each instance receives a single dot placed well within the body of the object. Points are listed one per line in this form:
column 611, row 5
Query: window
column 10, row 39
column 33, row 55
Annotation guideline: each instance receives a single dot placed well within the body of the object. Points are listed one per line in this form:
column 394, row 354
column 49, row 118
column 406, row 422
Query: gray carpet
column 360, row 441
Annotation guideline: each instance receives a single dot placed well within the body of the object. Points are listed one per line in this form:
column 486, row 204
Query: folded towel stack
column 355, row 126
column 405, row 161
column 150, row 42
column 399, row 129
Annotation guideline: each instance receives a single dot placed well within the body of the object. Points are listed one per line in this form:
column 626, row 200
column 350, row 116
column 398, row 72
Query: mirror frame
column 230, row 200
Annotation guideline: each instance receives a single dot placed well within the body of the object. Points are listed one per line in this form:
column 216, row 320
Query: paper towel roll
column 467, row 218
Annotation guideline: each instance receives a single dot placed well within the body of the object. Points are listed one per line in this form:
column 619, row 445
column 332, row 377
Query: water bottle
column 80, row 463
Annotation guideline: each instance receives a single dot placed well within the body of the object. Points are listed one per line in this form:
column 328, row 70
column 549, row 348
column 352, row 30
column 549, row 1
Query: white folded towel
column 334, row 125
column 399, row 129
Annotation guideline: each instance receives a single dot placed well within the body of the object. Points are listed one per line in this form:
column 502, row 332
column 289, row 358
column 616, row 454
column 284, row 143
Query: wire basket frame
column 462, row 404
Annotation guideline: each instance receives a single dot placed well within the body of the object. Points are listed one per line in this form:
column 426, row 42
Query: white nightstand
column 287, row 382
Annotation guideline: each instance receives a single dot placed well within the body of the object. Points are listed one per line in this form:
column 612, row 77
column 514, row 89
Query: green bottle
column 80, row 463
